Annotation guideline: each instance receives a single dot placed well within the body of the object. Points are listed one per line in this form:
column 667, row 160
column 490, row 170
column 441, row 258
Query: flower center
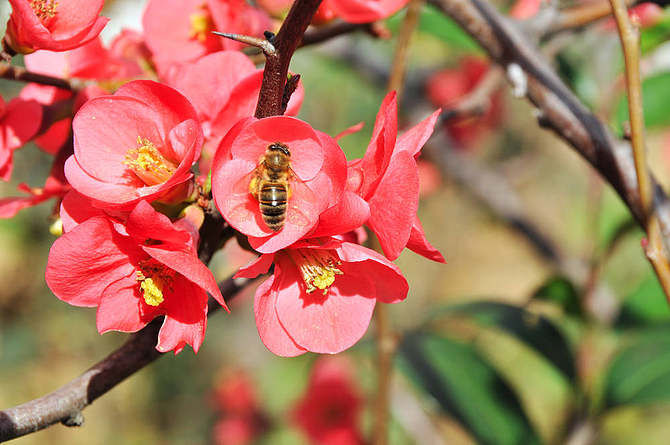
column 154, row 280
column 318, row 267
column 201, row 24
column 44, row 9
column 148, row 163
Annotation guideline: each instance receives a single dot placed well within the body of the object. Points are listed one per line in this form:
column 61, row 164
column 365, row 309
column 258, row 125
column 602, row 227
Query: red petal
column 256, row 267
column 394, row 204
column 351, row 130
column 419, row 244
column 144, row 223
column 413, row 139
column 379, row 151
column 185, row 320
column 272, row 334
column 119, row 308
column 325, row 324
column 349, row 214
column 83, row 262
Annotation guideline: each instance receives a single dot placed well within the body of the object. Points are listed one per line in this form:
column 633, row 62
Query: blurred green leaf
column 437, row 24
column 467, row 388
column 536, row 331
column 561, row 291
column 640, row 374
column 653, row 36
column 646, row 305
column 655, row 97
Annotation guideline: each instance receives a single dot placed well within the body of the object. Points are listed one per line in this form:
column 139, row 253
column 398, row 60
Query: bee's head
column 278, row 146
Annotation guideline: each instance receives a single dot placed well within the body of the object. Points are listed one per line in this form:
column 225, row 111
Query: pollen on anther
column 44, row 9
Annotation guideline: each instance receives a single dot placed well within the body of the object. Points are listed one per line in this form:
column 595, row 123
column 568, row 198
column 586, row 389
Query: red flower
column 445, row 88
column 387, row 178
column 223, row 87
column 135, row 274
column 53, row 25
column 316, row 182
column 19, row 122
column 321, row 295
column 330, row 410
column 138, row 144
column 525, row 9
column 181, row 30
column 364, row 11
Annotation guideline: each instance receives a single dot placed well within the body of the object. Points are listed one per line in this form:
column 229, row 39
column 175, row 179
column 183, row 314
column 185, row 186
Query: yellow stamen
column 44, row 9
column 318, row 268
column 152, row 291
column 148, row 163
column 201, row 24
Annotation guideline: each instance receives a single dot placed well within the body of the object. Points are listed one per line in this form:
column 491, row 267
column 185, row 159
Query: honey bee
column 272, row 183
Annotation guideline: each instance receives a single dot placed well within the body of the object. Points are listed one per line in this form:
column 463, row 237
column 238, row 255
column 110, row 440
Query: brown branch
column 276, row 64
column 12, row 72
column 66, row 403
column 323, row 33
column 558, row 108
column 582, row 15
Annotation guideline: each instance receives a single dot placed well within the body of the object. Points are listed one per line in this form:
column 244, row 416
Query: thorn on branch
column 76, row 419
column 289, row 88
column 266, row 45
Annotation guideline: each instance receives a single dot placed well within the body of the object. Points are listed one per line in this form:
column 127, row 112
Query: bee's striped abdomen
column 272, row 204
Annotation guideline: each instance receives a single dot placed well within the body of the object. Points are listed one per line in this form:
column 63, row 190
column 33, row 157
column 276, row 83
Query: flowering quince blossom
column 316, row 160
column 387, row 178
column 134, row 273
column 53, row 25
column 330, row 410
column 139, row 143
column 223, row 87
column 321, row 295
column 19, row 122
column 178, row 31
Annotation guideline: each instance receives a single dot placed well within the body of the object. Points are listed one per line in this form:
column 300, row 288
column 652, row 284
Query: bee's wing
column 243, row 209
column 302, row 201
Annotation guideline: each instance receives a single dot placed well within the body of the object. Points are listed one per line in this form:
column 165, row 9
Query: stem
column 276, row 64
column 12, row 72
column 582, row 15
column 402, row 46
column 630, row 42
column 386, row 344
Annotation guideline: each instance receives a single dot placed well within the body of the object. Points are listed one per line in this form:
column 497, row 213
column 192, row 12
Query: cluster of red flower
column 130, row 211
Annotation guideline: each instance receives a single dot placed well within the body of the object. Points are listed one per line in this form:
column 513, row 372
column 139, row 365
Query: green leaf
column 640, row 374
column 646, row 305
column 467, row 388
column 536, row 331
column 438, row 25
column 561, row 291
column 655, row 99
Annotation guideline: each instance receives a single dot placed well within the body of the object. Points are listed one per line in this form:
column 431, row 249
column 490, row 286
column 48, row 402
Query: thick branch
column 12, row 72
column 559, row 109
column 276, row 64
column 66, row 403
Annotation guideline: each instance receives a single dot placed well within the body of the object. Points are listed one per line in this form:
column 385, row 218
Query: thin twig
column 630, row 42
column 581, row 15
column 386, row 343
column 12, row 72
column 66, row 403
column 323, row 33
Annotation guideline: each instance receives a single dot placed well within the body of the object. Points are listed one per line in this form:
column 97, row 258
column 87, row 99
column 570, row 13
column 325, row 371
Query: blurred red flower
column 138, row 144
column 330, row 410
column 135, row 272
column 53, row 25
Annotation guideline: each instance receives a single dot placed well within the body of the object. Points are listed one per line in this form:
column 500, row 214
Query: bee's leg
column 253, row 186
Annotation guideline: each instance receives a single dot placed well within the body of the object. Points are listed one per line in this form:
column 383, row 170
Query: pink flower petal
column 324, row 323
column 413, row 139
column 419, row 244
column 186, row 319
column 394, row 204
column 349, row 214
column 256, row 267
column 119, row 307
column 271, row 332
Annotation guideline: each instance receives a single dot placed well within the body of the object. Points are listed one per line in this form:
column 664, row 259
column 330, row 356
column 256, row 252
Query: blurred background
column 546, row 325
